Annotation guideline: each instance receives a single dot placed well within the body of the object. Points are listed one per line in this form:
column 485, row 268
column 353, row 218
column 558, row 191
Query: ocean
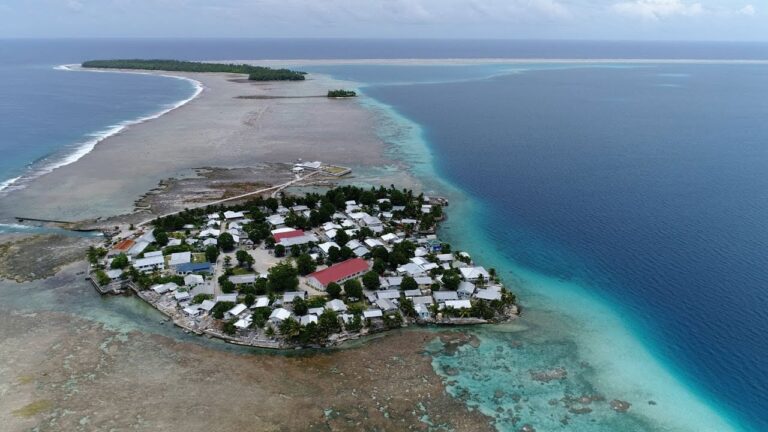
column 623, row 202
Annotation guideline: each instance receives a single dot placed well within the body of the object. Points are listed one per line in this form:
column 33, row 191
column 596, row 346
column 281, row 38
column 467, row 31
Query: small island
column 341, row 93
column 255, row 73
column 303, row 271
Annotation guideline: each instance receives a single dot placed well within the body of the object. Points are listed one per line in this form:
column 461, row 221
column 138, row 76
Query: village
column 303, row 271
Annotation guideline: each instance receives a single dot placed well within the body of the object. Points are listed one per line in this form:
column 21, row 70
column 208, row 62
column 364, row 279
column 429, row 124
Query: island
column 255, row 73
column 313, row 270
column 341, row 93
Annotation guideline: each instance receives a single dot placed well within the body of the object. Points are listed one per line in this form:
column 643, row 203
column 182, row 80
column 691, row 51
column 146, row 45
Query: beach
column 232, row 123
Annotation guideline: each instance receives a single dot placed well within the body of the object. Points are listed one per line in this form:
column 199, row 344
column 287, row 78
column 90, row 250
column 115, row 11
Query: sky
column 711, row 20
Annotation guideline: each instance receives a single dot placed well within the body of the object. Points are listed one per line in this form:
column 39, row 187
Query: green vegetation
column 255, row 73
column 120, row 261
column 340, row 93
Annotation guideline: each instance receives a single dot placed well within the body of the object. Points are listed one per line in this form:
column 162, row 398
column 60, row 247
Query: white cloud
column 658, row 9
column 748, row 10
column 75, row 5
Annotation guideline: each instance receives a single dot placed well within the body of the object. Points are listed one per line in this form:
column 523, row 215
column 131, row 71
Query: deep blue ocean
column 645, row 184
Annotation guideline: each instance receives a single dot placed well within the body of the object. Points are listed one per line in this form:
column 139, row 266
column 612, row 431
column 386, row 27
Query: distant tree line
column 255, row 73
column 341, row 93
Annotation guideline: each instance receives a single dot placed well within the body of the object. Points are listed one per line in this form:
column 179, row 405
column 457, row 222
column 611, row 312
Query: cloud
column 748, row 10
column 655, row 10
column 75, row 5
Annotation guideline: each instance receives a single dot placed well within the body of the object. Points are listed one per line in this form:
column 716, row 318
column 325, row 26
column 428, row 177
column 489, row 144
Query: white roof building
column 390, row 237
column 180, row 296
column 233, row 215
column 441, row 296
column 207, row 305
column 193, row 279
column 336, row 305
column 231, row 298
column 180, row 258
column 245, row 322
column 306, row 319
column 458, row 304
column 327, row 246
column 372, row 313
column 149, row 264
column 279, row 315
column 261, row 301
column 237, row 310
column 488, row 294
column 474, row 273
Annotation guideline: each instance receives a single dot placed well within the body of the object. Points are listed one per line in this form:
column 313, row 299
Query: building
column 180, row 258
column 279, row 315
column 474, row 273
column 488, row 294
column 338, row 273
column 242, row 279
column 235, row 311
column 193, row 280
column 150, row 263
column 290, row 296
column 190, row 268
column 458, row 304
column 336, row 306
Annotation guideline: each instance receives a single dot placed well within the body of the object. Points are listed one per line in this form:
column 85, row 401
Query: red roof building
column 287, row 234
column 338, row 273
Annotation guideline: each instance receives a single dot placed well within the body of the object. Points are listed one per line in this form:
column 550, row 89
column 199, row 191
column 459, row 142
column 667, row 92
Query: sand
column 232, row 123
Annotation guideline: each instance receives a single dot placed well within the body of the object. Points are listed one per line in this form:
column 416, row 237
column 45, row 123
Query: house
column 391, row 282
column 114, row 274
column 316, row 310
column 245, row 322
column 242, row 279
column 458, row 304
column 306, row 319
column 189, row 268
column 360, row 251
column 445, row 258
column 422, row 311
column 412, row 293
column 289, row 296
column 424, row 281
column 181, row 296
column 230, row 215
column 386, row 305
column 193, row 280
column 411, row 269
column 285, row 233
column 488, row 294
column 294, row 239
column 175, row 242
column 474, row 273
column 150, row 264
column 425, row 300
column 138, row 247
column 261, row 301
column 353, row 244
column 192, row 311
column 443, row 296
column 279, row 315
column 207, row 305
column 209, row 232
column 164, row 288
column 325, row 247
column 204, row 288
column 210, row 242
column 336, row 305
column 338, row 273
column 372, row 313
column 388, row 294
column 235, row 311
column 466, row 289
column 276, row 220
column 231, row 298
column 372, row 243
column 389, row 238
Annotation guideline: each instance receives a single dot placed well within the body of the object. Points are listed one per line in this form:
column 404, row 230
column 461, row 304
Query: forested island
column 255, row 73
column 341, row 93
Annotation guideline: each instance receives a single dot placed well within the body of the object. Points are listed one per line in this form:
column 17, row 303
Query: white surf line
column 88, row 146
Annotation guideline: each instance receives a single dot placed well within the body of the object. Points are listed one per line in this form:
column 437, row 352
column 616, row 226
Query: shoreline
column 88, row 146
